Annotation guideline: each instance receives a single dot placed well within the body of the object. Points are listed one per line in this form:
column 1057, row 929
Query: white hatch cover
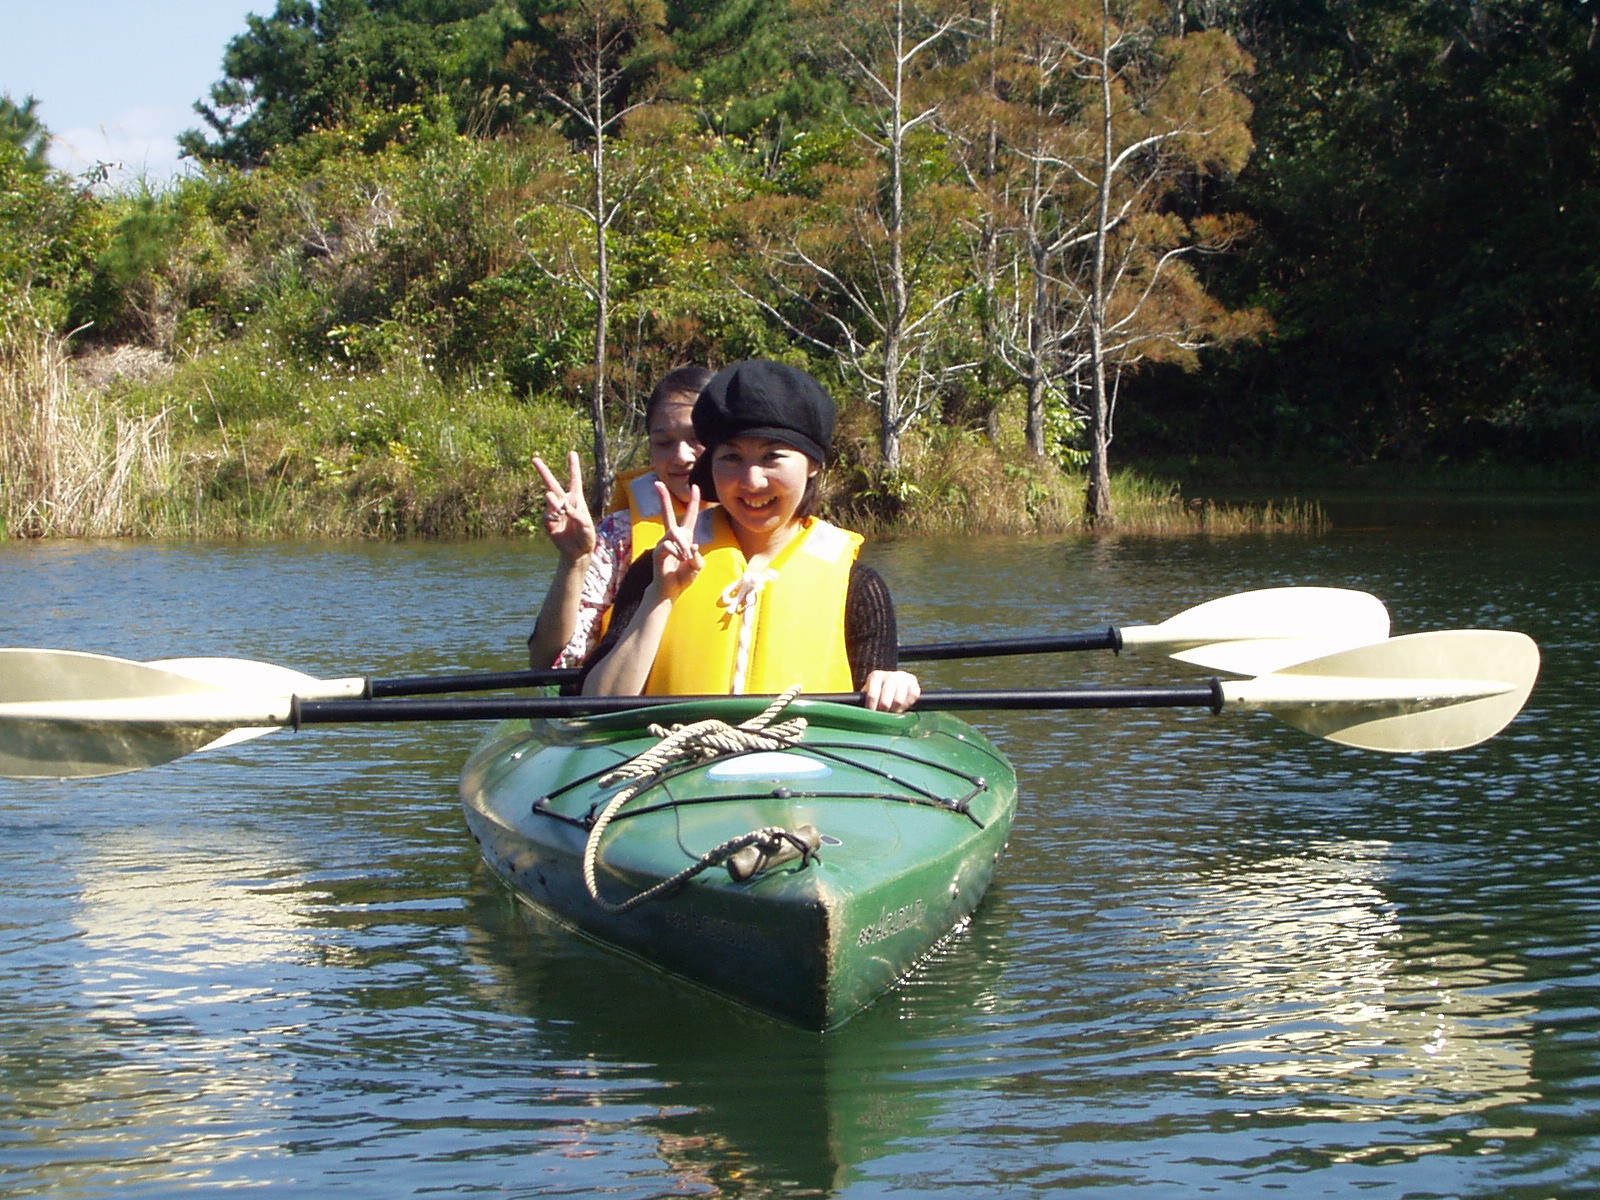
column 769, row 765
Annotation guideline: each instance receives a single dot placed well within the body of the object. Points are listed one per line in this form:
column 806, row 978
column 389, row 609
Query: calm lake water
column 1220, row 958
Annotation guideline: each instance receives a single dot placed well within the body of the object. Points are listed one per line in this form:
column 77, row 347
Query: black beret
column 760, row 398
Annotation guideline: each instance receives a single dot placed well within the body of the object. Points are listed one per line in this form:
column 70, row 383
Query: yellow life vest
column 732, row 632
column 647, row 525
column 643, row 503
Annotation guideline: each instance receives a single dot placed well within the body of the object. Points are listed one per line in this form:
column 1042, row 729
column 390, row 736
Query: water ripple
column 1219, row 957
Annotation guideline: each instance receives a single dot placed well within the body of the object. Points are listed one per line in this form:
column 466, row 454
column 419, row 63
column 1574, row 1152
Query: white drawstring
column 746, row 589
column 741, row 598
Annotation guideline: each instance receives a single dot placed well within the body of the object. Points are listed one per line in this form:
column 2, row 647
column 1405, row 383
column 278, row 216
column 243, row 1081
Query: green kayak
column 802, row 879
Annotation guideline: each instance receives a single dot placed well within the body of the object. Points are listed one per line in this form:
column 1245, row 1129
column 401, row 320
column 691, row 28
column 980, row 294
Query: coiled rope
column 702, row 741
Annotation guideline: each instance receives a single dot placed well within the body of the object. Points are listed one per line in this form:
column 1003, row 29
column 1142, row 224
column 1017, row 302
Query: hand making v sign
column 566, row 516
column 677, row 558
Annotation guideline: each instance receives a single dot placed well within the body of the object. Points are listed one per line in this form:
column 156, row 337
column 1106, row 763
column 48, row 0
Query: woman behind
column 759, row 593
column 595, row 558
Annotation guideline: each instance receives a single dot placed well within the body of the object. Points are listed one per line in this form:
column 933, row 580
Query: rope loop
column 700, row 741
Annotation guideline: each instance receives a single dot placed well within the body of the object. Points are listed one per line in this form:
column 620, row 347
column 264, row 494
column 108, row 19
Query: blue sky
column 116, row 79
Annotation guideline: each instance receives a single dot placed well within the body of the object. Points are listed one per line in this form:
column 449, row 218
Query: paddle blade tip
column 1430, row 692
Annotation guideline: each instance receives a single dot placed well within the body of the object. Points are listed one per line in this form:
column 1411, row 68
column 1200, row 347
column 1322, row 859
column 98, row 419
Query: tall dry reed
column 71, row 465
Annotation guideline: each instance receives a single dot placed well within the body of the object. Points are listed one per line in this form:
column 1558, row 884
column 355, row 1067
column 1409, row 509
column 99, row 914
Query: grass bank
column 244, row 440
column 1215, row 476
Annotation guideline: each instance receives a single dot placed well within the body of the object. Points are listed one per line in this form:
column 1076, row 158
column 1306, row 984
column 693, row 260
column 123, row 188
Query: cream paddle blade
column 61, row 739
column 1426, row 691
column 27, row 675
column 246, row 674
column 1255, row 633
column 46, row 748
column 33, row 674
column 123, row 734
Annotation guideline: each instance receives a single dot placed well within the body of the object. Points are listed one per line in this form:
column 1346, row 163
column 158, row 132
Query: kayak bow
column 881, row 835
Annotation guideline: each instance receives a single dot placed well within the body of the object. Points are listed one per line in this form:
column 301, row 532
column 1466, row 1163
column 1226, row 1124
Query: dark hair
column 808, row 498
column 687, row 381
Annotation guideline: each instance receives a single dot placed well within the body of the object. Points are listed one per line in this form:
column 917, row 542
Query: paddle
column 1426, row 691
column 1250, row 633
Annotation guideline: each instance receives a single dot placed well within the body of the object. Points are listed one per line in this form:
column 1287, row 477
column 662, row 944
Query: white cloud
column 137, row 143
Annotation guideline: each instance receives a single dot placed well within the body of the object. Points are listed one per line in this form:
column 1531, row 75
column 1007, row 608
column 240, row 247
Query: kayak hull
column 911, row 812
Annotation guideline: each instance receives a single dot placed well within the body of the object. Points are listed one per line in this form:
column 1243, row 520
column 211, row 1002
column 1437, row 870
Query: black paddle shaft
column 430, row 685
column 334, row 712
column 1110, row 639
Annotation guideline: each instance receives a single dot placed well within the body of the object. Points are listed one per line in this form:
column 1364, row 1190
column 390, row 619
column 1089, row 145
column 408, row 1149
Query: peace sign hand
column 677, row 558
column 566, row 517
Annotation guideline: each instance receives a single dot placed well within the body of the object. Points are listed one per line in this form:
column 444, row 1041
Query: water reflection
column 1325, row 1004
column 734, row 1102
column 128, row 1070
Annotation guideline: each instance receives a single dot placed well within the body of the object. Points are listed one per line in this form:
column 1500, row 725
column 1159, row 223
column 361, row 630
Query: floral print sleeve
column 612, row 556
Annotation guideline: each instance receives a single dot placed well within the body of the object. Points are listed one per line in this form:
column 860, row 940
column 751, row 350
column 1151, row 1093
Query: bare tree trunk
column 1036, row 403
column 1100, row 512
column 883, row 298
column 1038, row 355
column 592, row 38
column 889, row 423
column 989, row 246
column 604, row 475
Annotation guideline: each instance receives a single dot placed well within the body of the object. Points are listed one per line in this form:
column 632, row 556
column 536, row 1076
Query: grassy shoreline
column 244, row 440
column 1249, row 478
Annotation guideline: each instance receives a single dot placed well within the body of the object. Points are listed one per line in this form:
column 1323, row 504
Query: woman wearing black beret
column 759, row 593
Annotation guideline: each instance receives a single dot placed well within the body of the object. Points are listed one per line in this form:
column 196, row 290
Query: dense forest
column 1028, row 243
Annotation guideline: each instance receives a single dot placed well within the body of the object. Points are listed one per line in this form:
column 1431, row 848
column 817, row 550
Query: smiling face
column 760, row 483
column 673, row 447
